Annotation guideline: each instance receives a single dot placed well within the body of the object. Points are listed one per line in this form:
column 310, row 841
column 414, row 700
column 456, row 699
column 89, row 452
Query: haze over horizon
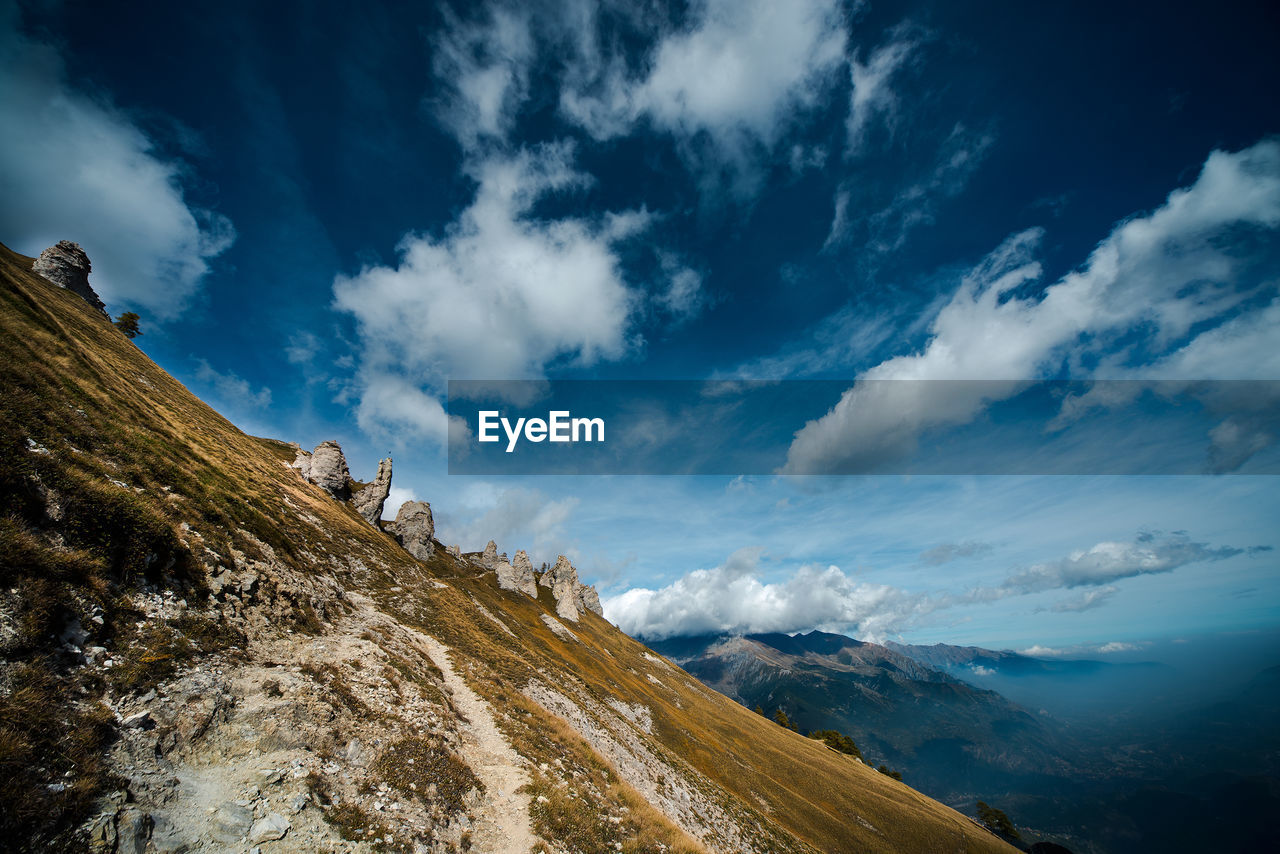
column 323, row 218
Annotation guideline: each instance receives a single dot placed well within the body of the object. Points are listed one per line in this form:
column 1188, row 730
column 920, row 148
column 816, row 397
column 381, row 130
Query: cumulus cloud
column 232, row 389
column 499, row 295
column 73, row 166
column 726, row 85
column 1156, row 276
column 733, row 598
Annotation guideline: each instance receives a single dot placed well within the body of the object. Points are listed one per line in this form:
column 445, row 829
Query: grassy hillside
column 140, row 522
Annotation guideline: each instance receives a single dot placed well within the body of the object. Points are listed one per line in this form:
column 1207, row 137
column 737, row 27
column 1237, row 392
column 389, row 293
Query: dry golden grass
column 77, row 387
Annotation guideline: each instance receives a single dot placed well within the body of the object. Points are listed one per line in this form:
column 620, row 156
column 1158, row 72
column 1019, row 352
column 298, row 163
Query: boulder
column 133, row 828
column 414, row 529
column 273, row 826
column 329, row 470
column 67, row 266
column 368, row 501
column 518, row 575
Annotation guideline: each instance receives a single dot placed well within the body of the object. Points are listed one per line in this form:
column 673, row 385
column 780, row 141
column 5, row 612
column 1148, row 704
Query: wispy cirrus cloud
column 1157, row 276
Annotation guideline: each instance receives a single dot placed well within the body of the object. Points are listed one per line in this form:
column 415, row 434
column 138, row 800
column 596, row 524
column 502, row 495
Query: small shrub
column 837, row 741
column 997, row 821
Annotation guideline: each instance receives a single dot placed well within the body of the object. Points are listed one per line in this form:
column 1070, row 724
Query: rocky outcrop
column 302, row 462
column 368, row 501
column 67, row 266
column 591, row 600
column 518, row 575
column 571, row 595
column 489, row 558
column 414, row 529
column 329, row 470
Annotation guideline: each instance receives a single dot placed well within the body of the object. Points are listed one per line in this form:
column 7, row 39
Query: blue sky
column 323, row 216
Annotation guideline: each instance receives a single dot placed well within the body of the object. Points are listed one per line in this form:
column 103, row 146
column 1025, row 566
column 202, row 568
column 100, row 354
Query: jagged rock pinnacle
column 518, row 575
column 571, row 595
column 67, row 266
column 368, row 501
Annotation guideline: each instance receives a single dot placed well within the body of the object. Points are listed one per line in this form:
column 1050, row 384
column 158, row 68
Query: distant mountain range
column 959, row 742
column 1054, row 742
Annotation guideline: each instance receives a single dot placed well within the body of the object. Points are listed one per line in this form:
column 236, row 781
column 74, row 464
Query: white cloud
column 948, row 552
column 1109, row 648
column 485, row 68
column 513, row 518
column 872, row 96
column 1086, row 601
column 75, row 167
column 232, row 389
column 498, row 296
column 1038, row 651
column 302, row 348
column 1118, row 646
column 684, row 297
column 726, row 86
column 1106, row 563
column 731, row 598
column 958, row 157
column 1157, row 275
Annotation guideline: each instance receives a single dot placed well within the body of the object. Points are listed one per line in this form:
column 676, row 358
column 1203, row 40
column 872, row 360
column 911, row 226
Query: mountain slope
column 202, row 650
column 958, row 742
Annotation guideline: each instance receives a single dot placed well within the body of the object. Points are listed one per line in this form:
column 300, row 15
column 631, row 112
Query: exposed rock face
column 302, row 463
column 329, row 470
column 591, row 600
column 571, row 595
column 518, row 575
column 414, row 528
column 368, row 501
column 67, row 266
column 489, row 560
